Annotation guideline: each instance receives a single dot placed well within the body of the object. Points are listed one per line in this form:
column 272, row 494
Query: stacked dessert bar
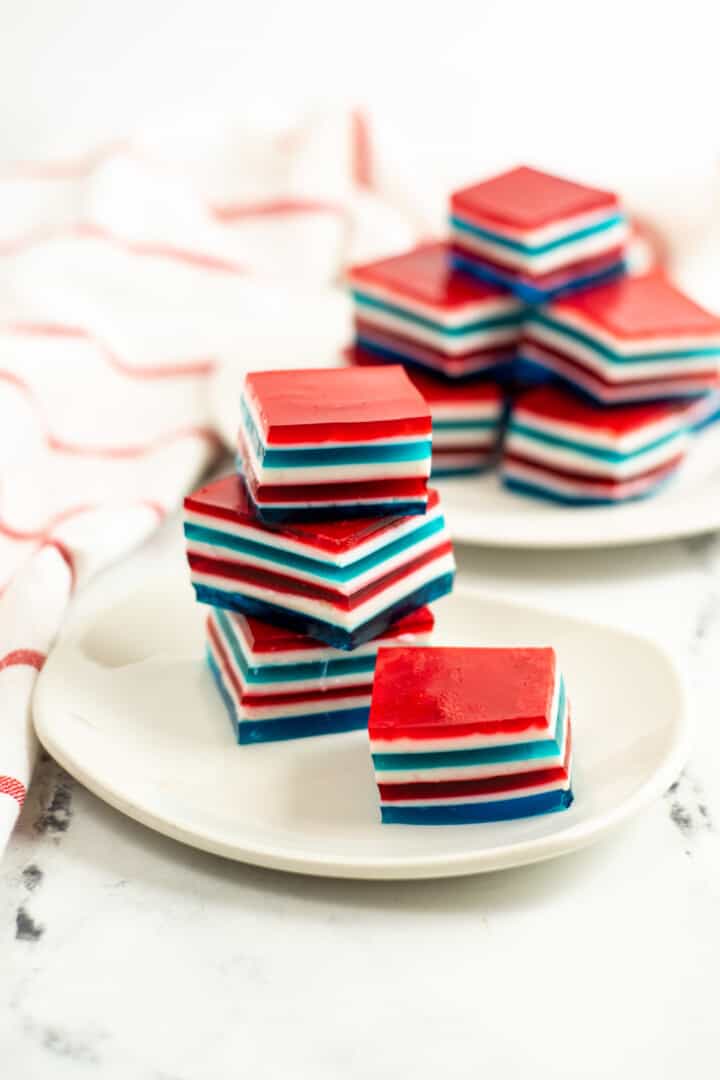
column 532, row 289
column 325, row 544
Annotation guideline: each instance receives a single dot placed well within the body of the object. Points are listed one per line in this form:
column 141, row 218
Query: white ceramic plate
column 480, row 511
column 126, row 705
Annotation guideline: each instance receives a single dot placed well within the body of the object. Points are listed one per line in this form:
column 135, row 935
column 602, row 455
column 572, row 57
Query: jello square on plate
column 560, row 446
column 639, row 339
column 341, row 581
column 279, row 685
column 418, row 309
column 334, row 442
column 538, row 234
column 467, row 417
column 468, row 735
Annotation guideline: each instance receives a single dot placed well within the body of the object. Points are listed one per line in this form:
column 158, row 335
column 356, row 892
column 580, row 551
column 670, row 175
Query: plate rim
column 415, row 867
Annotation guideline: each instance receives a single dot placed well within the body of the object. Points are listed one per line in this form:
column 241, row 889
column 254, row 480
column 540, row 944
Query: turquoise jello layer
column 536, row 249
column 371, row 454
column 597, row 452
column 475, row 813
column 327, row 571
column 489, row 755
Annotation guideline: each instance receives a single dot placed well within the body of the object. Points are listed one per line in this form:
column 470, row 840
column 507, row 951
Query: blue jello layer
column 488, row 755
column 538, row 491
column 295, row 727
column 319, row 628
column 476, row 813
column 533, row 294
column 514, row 318
column 275, row 556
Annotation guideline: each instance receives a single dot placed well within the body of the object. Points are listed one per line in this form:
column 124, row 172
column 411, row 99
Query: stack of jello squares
column 323, row 546
column 526, row 319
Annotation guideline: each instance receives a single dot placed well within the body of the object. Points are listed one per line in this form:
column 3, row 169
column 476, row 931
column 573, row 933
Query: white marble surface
column 127, row 956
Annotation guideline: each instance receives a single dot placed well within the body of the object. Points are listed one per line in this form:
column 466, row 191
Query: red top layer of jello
column 640, row 307
column 336, row 405
column 426, row 275
column 226, row 499
column 262, row 637
column 552, row 403
column 526, row 199
column 426, row 693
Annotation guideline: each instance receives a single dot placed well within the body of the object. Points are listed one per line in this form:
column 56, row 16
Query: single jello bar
column 334, row 442
column 466, row 735
column 342, row 582
column 639, row 339
column 538, row 234
column 416, row 308
column 562, row 447
column 280, row 685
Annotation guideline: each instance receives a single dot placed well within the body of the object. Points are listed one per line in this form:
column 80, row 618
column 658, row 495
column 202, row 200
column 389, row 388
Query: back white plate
column 126, row 705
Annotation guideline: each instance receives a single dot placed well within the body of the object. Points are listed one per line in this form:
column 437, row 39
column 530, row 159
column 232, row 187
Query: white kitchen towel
column 127, row 279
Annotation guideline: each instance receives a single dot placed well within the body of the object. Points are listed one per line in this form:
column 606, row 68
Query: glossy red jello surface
column 526, row 198
column 425, row 275
column 336, row 405
column 429, row 692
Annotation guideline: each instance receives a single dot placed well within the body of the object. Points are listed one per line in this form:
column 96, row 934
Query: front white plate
column 126, row 705
column 480, row 511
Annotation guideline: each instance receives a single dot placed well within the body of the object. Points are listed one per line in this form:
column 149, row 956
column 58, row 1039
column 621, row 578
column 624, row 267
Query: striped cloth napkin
column 127, row 280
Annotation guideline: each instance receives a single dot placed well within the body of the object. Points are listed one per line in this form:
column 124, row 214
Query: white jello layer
column 571, row 252
column 452, row 366
column 544, row 234
column 602, row 439
column 321, row 609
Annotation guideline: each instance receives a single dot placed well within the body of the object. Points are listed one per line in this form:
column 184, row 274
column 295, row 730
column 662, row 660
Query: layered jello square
column 562, row 447
column 341, row 581
column 279, row 685
column 469, row 735
column 334, row 442
column 416, row 308
column 538, row 234
column 639, row 339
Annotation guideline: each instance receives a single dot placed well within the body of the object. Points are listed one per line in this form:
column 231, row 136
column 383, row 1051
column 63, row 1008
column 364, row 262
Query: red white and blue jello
column 561, row 447
column 417, row 309
column 277, row 684
column 467, row 735
column 537, row 234
column 342, row 581
column 337, row 442
column 639, row 339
